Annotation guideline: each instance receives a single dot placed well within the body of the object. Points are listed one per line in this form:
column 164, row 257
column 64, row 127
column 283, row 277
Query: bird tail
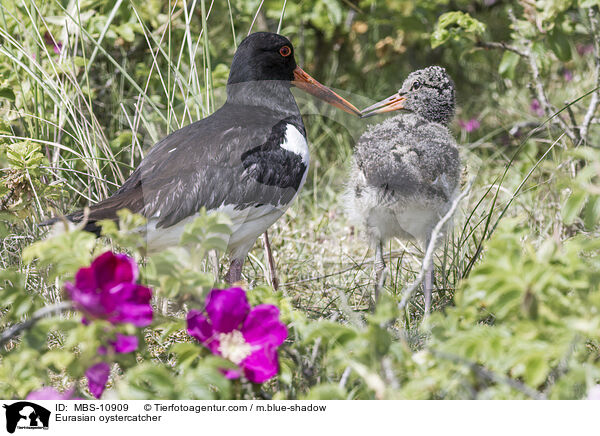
column 76, row 218
column 131, row 199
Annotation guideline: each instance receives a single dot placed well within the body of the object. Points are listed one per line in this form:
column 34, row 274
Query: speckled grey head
column 430, row 93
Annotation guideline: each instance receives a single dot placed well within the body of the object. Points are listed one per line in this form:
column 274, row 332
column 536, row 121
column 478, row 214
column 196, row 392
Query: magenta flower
column 247, row 337
column 97, row 376
column 536, row 107
column 49, row 40
column 107, row 289
column 470, row 125
column 122, row 344
column 48, row 393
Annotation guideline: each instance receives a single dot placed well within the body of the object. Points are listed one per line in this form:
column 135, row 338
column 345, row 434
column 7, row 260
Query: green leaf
column 380, row 339
column 329, row 391
column 573, row 206
column 559, row 44
column 456, row 26
column 329, row 331
column 57, row 359
column 65, row 253
column 508, row 64
column 591, row 213
column 36, row 337
column 186, row 352
column 536, row 370
column 334, row 10
column 126, row 31
column 7, row 93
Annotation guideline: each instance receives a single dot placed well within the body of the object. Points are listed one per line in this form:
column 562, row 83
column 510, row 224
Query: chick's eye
column 285, row 51
column 415, row 86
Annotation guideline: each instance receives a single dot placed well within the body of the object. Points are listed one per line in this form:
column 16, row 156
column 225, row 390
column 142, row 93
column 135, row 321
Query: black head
column 263, row 70
column 263, row 56
column 428, row 92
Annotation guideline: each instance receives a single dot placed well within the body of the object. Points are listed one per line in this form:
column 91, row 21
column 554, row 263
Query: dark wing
column 409, row 156
column 217, row 161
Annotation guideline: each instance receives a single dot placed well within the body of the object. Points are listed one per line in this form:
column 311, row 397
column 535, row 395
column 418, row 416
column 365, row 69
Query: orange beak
column 393, row 103
column 310, row 85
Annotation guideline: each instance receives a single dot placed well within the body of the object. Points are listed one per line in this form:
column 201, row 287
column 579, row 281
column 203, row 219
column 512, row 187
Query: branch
column 501, row 46
column 407, row 294
column 540, row 92
column 14, row 330
column 486, row 373
column 549, row 109
column 589, row 115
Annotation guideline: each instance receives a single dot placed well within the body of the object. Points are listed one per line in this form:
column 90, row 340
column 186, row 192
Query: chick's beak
column 393, row 103
column 306, row 83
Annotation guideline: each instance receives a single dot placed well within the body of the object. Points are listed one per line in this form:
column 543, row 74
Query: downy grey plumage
column 406, row 170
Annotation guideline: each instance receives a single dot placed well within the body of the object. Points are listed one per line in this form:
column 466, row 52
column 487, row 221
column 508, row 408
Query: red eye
column 285, row 51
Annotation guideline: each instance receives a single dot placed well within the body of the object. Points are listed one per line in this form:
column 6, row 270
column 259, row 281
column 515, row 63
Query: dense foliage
column 86, row 88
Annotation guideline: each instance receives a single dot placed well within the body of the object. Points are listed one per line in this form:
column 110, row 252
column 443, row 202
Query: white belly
column 406, row 218
column 412, row 219
column 248, row 225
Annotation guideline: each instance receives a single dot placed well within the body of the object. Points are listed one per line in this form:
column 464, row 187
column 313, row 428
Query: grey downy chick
column 406, row 170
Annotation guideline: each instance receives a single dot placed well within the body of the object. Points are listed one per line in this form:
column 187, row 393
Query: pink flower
column 97, row 376
column 536, row 107
column 583, row 49
column 107, row 289
column 470, row 125
column 49, row 40
column 48, row 393
column 247, row 337
column 567, row 74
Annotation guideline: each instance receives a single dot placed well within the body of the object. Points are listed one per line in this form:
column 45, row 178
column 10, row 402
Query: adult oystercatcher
column 406, row 170
column 248, row 159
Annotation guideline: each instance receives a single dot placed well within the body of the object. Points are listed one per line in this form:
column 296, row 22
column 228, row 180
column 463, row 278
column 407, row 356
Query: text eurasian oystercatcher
column 248, row 160
column 406, row 170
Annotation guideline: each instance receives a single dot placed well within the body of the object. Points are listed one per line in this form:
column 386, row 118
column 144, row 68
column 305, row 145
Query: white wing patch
column 296, row 143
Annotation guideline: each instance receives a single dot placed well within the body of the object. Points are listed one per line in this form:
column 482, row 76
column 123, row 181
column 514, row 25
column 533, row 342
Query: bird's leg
column 270, row 262
column 428, row 282
column 380, row 269
column 235, row 271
